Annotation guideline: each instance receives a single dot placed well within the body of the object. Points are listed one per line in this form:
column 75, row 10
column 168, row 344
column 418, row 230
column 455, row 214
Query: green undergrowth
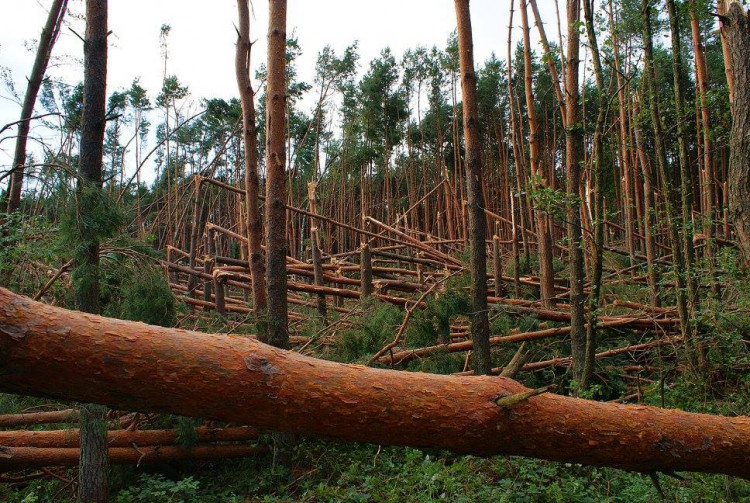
column 329, row 471
column 369, row 331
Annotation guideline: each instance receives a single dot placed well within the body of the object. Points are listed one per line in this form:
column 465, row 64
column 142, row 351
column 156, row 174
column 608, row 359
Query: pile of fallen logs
column 394, row 264
column 24, row 449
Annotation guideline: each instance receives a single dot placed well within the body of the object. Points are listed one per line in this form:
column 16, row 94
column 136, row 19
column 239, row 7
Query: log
column 408, row 355
column 21, row 458
column 49, row 351
column 32, row 418
column 521, row 307
column 122, row 438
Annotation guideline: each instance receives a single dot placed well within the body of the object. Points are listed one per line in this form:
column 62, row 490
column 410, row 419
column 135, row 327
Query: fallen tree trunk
column 20, row 458
column 31, row 418
column 52, row 352
column 122, row 438
column 565, row 361
column 407, row 355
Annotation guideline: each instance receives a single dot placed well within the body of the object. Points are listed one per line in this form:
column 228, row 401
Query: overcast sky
column 201, row 42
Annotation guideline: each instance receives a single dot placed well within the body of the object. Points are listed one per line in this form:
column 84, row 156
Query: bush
column 372, row 330
column 147, row 297
column 430, row 325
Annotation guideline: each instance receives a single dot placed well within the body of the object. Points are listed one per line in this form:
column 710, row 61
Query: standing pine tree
column 94, row 463
column 480, row 328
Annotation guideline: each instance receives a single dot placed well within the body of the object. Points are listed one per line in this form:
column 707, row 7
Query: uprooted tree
column 53, row 352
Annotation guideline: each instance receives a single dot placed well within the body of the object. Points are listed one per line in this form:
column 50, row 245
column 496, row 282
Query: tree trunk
column 480, row 326
column 738, row 39
column 365, row 271
column 93, row 461
column 721, row 10
column 544, row 239
column 671, row 203
column 709, row 209
column 587, row 369
column 32, row 418
column 24, row 458
column 46, row 42
column 686, row 196
column 629, row 174
column 649, row 208
column 93, row 455
column 497, row 267
column 278, row 333
column 573, row 161
column 252, row 182
column 122, row 438
column 276, row 225
column 69, row 355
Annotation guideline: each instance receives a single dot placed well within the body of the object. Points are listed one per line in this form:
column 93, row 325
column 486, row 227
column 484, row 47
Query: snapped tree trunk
column 46, row 42
column 250, row 142
column 70, row 355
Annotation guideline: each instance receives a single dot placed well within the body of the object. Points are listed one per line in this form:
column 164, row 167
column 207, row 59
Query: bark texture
column 480, row 325
column 92, row 475
column 278, row 330
column 737, row 31
column 57, row 353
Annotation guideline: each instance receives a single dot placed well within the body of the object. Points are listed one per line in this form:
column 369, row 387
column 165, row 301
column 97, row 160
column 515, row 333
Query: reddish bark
column 31, row 418
column 75, row 356
column 19, row 458
column 122, row 438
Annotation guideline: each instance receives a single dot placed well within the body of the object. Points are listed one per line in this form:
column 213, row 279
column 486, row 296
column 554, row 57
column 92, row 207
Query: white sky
column 201, row 42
